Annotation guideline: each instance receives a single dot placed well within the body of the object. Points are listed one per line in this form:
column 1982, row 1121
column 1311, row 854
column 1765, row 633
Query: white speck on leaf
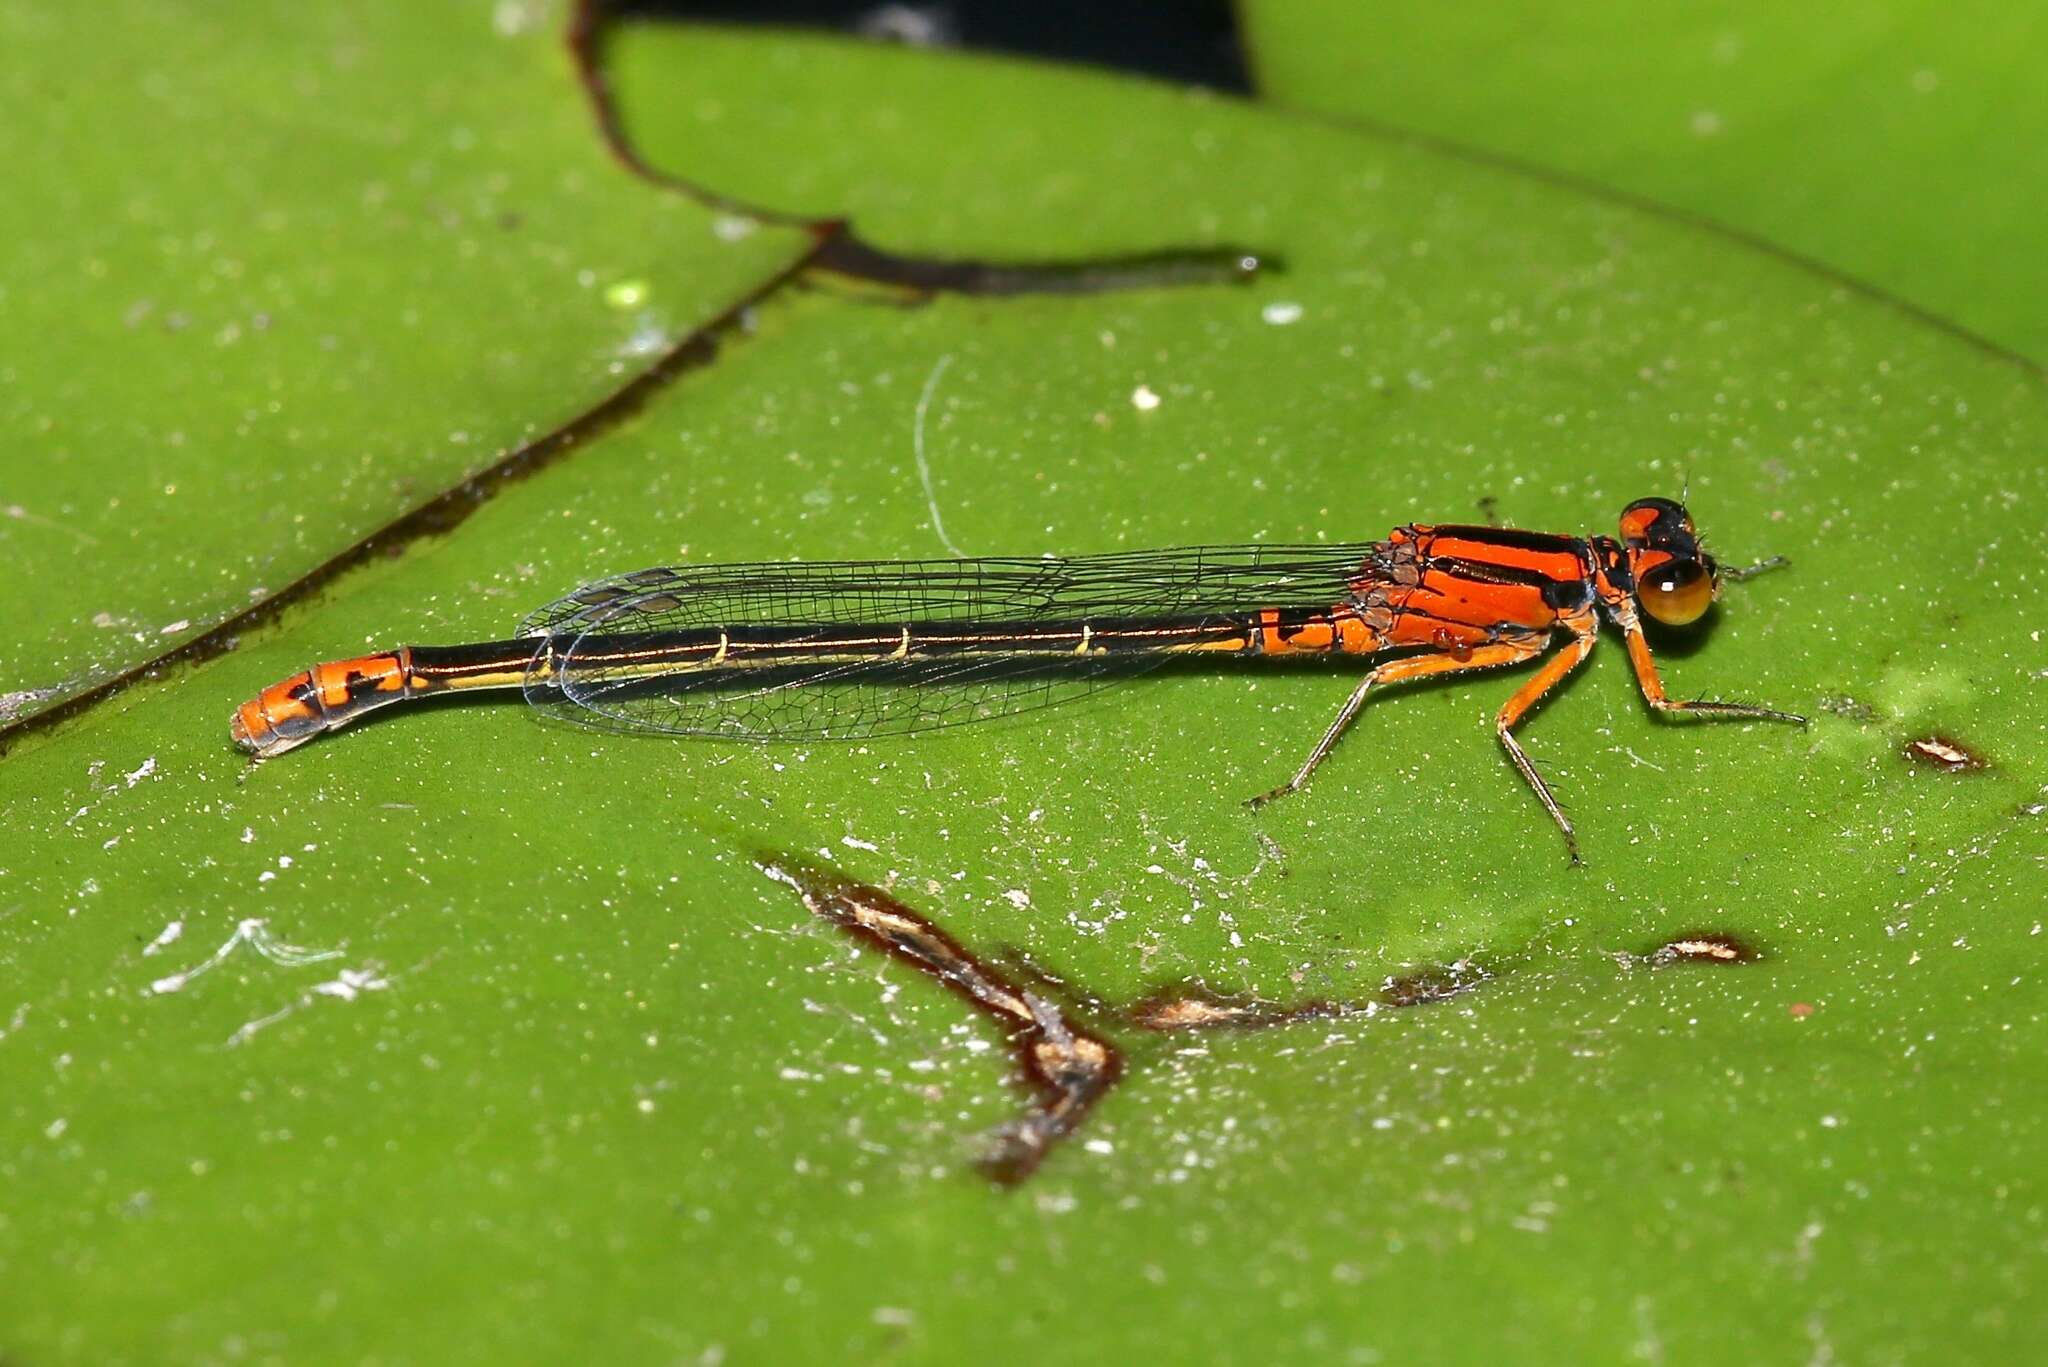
column 346, row 986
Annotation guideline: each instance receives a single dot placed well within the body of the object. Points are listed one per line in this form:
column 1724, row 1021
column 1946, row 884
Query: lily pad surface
column 1896, row 141
column 277, row 276
column 583, row 1075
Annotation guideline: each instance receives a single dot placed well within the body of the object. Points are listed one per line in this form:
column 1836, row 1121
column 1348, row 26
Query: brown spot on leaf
column 1190, row 1007
column 1944, row 753
column 1433, row 984
column 1066, row 1068
column 1703, row 947
column 1193, row 1007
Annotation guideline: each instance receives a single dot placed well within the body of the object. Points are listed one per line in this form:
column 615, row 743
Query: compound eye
column 1677, row 594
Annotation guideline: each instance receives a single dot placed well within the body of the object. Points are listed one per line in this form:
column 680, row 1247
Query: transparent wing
column 877, row 696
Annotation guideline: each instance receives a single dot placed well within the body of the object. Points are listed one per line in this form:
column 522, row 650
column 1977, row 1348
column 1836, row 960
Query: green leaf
column 616, row 1093
column 1897, row 142
column 275, row 277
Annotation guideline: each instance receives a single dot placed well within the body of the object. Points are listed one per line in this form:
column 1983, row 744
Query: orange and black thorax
column 1455, row 586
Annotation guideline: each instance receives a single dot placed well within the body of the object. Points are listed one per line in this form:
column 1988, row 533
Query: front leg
column 1653, row 687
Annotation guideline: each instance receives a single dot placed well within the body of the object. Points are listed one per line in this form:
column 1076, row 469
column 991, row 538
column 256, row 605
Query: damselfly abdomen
column 799, row 652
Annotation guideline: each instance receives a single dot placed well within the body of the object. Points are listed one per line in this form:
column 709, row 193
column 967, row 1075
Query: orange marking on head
column 1642, row 562
column 1636, row 523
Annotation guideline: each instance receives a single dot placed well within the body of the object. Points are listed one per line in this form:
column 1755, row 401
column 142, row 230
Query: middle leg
column 1585, row 629
column 1491, row 656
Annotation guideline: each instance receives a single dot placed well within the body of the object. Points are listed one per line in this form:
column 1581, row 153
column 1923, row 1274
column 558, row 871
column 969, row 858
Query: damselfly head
column 1676, row 580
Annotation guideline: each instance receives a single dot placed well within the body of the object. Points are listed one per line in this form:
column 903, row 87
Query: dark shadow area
column 842, row 251
column 1192, row 42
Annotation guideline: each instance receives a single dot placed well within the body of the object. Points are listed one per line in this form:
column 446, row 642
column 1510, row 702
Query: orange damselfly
column 789, row 652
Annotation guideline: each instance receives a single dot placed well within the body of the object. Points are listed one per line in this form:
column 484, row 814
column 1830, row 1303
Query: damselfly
column 798, row 652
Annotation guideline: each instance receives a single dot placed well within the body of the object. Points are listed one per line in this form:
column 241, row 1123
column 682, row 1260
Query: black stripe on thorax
column 1490, row 572
column 1547, row 543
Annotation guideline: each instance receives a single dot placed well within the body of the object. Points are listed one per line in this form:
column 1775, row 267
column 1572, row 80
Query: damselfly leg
column 1398, row 671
